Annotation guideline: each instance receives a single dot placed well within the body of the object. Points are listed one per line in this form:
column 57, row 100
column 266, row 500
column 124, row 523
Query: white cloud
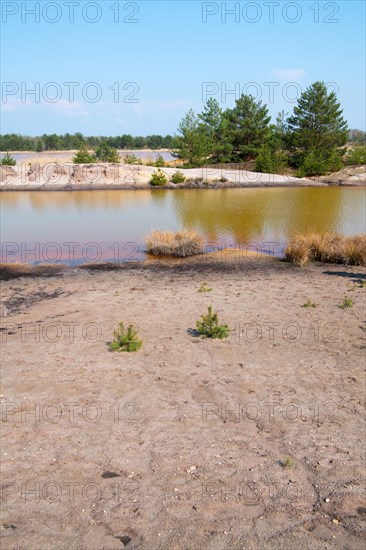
column 10, row 105
column 290, row 75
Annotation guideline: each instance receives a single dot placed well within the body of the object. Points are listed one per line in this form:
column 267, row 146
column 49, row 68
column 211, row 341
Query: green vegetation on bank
column 158, row 179
column 103, row 153
column 310, row 142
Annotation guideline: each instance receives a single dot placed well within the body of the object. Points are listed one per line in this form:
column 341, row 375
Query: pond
column 81, row 226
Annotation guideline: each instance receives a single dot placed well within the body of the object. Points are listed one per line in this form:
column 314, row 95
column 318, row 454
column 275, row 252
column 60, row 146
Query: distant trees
column 357, row 136
column 67, row 142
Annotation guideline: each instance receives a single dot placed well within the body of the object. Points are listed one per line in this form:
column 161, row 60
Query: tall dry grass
column 328, row 248
column 168, row 243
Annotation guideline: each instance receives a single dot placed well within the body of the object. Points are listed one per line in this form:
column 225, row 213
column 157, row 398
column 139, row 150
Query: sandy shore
column 183, row 444
column 68, row 176
column 65, row 176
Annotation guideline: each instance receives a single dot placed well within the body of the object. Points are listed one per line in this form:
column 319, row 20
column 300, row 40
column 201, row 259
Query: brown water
column 73, row 226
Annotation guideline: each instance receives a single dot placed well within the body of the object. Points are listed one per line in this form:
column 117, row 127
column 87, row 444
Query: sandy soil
column 67, row 176
column 183, row 444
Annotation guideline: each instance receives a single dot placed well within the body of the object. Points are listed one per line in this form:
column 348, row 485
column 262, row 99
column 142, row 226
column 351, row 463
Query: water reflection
column 276, row 213
column 229, row 215
column 80, row 200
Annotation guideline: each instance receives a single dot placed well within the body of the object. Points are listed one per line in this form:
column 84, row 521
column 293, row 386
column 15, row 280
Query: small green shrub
column 347, row 302
column 287, row 463
column 357, row 155
column 204, row 288
column 271, row 162
column 264, row 161
column 316, row 163
column 210, row 327
column 125, row 339
column 159, row 161
column 105, row 153
column 8, row 160
column 131, row 159
column 158, row 178
column 178, row 177
column 309, row 303
column 83, row 156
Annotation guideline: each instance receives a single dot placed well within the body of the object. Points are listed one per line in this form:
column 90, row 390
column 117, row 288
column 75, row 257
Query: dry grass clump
column 327, row 247
column 168, row 243
column 355, row 250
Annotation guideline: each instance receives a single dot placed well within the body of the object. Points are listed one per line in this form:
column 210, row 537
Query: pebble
column 327, row 500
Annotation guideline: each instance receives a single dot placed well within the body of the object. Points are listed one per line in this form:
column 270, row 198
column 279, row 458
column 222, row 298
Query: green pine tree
column 192, row 145
column 247, row 127
column 318, row 129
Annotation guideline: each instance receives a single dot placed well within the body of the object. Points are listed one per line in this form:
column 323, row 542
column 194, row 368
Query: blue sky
column 161, row 61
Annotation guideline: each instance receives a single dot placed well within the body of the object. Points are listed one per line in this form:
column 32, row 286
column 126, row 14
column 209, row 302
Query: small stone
column 327, row 500
column 335, row 521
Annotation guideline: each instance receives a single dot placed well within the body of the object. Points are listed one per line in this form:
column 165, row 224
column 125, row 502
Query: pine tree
column 247, row 127
column 192, row 145
column 83, row 156
column 214, row 126
column 317, row 123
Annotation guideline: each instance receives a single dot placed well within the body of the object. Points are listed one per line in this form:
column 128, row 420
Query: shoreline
column 173, row 187
column 103, row 176
column 17, row 269
column 120, row 187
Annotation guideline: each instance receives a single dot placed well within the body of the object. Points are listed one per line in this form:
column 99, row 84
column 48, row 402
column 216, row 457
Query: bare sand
column 65, row 176
column 253, row 442
column 43, row 175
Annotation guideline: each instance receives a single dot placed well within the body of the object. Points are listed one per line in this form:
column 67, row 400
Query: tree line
column 310, row 141
column 66, row 142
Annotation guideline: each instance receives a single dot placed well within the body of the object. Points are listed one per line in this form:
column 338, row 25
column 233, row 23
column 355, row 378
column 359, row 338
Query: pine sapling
column 210, row 327
column 125, row 339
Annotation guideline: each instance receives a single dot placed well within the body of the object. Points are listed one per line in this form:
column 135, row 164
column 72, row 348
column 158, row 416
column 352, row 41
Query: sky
column 115, row 67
